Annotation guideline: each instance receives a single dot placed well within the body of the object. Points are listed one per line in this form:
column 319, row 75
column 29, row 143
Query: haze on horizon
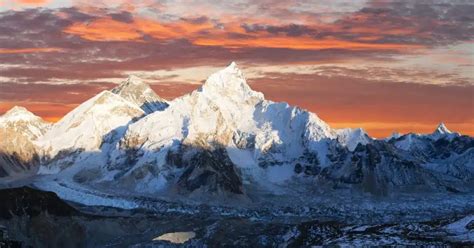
column 382, row 65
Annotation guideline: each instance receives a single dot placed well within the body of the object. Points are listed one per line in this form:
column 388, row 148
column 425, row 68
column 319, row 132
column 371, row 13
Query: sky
column 382, row 65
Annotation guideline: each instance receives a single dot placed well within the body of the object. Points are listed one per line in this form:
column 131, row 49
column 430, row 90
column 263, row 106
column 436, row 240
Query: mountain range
column 223, row 140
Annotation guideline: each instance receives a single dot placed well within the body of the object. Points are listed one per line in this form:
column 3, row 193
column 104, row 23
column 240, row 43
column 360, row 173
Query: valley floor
column 112, row 221
column 140, row 230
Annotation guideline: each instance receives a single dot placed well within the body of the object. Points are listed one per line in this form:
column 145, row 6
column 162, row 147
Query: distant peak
column 230, row 82
column 442, row 129
column 135, row 90
column 19, row 113
column 442, row 132
column 131, row 84
column 17, row 109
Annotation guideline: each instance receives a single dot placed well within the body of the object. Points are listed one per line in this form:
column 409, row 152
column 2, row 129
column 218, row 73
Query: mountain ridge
column 224, row 138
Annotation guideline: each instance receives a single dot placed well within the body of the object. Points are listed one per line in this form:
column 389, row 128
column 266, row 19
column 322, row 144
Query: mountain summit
column 442, row 131
column 18, row 113
column 20, row 120
column 135, row 90
column 230, row 83
column 19, row 128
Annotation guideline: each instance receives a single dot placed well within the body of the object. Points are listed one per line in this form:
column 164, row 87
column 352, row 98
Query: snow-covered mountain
column 441, row 151
column 19, row 128
column 225, row 138
column 135, row 90
column 413, row 141
column 84, row 130
column 442, row 132
column 225, row 120
column 419, row 144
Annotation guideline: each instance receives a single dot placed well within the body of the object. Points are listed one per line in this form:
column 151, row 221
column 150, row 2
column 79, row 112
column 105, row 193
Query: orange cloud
column 174, row 30
column 33, row 2
column 29, row 50
column 105, row 29
column 206, row 34
column 299, row 43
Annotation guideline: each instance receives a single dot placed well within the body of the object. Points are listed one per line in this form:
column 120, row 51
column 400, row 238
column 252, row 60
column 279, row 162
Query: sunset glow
column 383, row 66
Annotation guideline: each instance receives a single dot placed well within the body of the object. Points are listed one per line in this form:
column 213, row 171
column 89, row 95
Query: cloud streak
column 30, row 50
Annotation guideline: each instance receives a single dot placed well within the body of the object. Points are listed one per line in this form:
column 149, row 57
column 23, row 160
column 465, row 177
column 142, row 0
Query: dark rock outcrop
column 211, row 171
column 26, row 201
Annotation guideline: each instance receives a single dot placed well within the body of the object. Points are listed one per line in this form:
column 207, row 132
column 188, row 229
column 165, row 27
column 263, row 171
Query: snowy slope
column 84, row 128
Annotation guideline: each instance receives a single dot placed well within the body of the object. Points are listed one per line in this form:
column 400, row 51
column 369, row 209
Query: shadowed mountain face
column 12, row 164
column 210, row 171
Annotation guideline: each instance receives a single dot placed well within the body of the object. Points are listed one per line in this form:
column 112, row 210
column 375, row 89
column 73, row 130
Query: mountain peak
column 20, row 113
column 132, row 79
column 17, row 109
column 19, row 121
column 443, row 132
column 230, row 82
column 233, row 69
column 131, row 83
column 135, row 90
column 442, row 129
column 232, row 65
